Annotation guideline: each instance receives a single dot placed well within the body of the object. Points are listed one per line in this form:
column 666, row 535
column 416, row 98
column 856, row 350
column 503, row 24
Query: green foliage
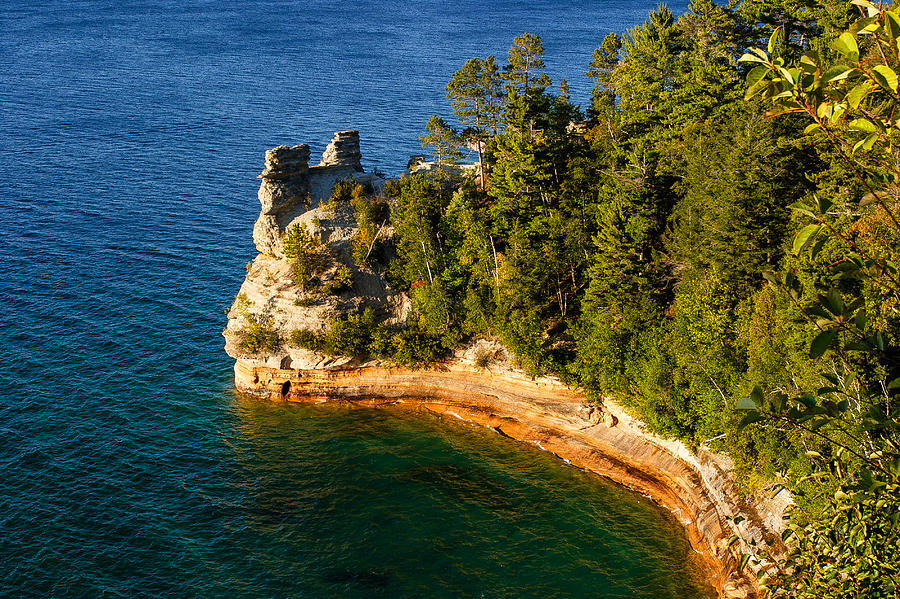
column 306, row 253
column 603, row 62
column 306, row 339
column 475, row 96
column 352, row 335
column 360, row 335
column 371, row 217
column 443, row 143
column 341, row 194
column 259, row 335
column 523, row 71
column 845, row 270
column 342, row 281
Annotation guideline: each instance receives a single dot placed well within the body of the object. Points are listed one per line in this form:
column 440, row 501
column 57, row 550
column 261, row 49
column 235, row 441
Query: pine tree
column 523, row 71
column 474, row 93
column 443, row 141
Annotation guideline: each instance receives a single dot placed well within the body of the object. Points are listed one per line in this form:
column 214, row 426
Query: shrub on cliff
column 371, row 217
column 341, row 193
column 342, row 281
column 306, row 339
column 352, row 335
column 306, row 253
column 259, row 335
column 414, row 347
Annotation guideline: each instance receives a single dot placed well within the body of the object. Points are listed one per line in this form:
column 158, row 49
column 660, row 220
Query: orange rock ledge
column 695, row 486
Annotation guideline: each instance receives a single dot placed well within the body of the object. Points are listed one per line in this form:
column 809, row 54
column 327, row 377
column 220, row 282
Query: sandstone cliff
column 696, row 486
column 290, row 193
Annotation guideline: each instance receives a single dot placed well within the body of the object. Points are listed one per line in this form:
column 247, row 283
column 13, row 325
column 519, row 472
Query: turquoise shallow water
column 130, row 137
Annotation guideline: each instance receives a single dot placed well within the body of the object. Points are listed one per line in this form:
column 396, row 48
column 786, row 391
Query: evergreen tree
column 443, row 141
column 474, row 93
column 604, row 60
column 523, row 71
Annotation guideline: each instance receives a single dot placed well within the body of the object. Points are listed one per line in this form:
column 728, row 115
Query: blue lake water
column 131, row 134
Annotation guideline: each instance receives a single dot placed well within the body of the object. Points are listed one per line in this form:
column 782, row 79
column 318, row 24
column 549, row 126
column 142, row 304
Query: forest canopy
column 713, row 242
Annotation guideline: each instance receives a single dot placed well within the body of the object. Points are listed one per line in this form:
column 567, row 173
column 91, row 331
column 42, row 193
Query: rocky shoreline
column 697, row 486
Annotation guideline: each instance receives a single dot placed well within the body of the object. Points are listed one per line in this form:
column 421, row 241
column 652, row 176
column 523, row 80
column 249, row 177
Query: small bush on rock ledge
column 305, row 339
column 259, row 335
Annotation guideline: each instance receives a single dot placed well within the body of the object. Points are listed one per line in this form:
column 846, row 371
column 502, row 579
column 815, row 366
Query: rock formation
column 292, row 192
column 343, row 150
column 290, row 187
column 697, row 486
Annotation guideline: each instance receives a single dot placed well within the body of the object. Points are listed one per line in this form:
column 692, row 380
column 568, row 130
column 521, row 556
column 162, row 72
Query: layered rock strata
column 293, row 193
column 698, row 487
column 290, row 187
column 343, row 150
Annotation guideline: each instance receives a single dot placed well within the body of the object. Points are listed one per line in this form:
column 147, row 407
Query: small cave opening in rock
column 285, row 388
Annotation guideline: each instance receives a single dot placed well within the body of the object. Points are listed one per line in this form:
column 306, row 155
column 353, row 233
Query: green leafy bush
column 259, row 335
column 306, row 339
column 306, row 252
column 343, row 281
column 352, row 335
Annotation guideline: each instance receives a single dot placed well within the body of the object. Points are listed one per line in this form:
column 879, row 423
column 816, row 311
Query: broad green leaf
column 867, row 26
column 837, row 73
column 823, row 204
column 856, row 95
column 802, row 208
column 804, row 236
column 832, row 302
column 865, row 4
column 820, row 344
column 757, row 395
column 751, row 417
column 756, row 74
column 864, row 125
column 810, row 128
column 869, row 142
column 892, row 24
column 846, row 45
column 808, row 400
column 773, row 39
column 885, row 76
column 745, row 403
column 757, row 88
column 748, row 57
column 839, row 111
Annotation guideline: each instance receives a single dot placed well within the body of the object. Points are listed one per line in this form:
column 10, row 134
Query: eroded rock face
column 289, row 187
column 343, row 150
column 291, row 192
column 283, row 162
column 284, row 188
